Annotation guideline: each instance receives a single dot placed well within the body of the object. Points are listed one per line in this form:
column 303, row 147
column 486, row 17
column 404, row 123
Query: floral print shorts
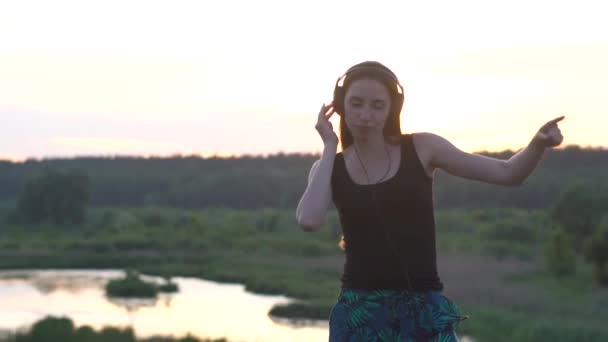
column 387, row 315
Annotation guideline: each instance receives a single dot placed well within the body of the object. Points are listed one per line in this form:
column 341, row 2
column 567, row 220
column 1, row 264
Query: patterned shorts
column 393, row 315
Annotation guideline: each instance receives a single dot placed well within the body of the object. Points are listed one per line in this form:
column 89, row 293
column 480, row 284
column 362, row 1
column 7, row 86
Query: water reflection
column 133, row 305
column 203, row 308
column 48, row 282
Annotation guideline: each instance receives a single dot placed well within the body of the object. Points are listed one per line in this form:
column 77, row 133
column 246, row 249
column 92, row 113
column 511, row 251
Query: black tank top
column 395, row 234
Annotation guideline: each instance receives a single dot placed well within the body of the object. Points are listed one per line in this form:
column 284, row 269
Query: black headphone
column 375, row 69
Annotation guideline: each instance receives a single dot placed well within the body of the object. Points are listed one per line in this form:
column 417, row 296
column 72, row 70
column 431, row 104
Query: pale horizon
column 161, row 78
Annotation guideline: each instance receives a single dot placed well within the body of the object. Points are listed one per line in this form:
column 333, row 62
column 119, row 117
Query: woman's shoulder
column 422, row 140
column 422, row 135
column 419, row 140
column 423, row 145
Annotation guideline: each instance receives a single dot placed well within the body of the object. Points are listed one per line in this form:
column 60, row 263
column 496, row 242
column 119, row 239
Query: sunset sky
column 248, row 77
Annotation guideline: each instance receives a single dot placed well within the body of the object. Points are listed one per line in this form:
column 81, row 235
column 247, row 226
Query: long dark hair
column 376, row 71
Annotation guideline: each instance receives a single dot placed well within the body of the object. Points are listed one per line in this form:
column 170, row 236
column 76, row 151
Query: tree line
column 277, row 181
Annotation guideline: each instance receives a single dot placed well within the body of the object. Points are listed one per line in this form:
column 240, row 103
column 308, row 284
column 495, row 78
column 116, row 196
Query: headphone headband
column 372, row 67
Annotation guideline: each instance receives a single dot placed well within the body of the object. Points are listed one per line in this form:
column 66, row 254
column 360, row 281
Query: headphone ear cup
column 339, row 100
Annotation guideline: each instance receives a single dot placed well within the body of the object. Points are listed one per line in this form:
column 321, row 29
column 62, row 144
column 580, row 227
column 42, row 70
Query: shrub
column 559, row 255
column 596, row 251
column 131, row 286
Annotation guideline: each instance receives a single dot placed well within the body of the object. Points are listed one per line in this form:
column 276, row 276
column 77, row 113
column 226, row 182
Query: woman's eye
column 378, row 105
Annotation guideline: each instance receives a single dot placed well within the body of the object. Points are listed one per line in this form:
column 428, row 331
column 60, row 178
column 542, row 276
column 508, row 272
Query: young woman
column 381, row 185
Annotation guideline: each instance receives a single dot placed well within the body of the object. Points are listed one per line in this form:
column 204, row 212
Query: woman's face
column 367, row 104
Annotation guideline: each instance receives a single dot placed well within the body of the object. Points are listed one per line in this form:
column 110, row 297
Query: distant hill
column 279, row 180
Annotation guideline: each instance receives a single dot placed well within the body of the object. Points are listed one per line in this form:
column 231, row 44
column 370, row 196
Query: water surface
column 202, row 308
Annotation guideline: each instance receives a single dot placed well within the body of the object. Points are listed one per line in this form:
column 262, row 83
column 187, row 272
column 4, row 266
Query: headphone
column 376, row 70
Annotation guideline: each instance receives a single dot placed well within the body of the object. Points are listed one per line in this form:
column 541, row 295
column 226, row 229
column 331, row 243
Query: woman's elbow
column 309, row 225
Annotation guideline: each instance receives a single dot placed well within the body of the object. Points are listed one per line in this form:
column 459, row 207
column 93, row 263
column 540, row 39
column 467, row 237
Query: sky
column 248, row 77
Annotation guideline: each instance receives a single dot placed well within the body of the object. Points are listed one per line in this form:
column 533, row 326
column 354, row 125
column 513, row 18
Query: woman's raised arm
column 511, row 172
column 312, row 208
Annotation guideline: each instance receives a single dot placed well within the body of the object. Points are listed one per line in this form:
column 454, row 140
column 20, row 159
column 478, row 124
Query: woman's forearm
column 523, row 163
column 315, row 201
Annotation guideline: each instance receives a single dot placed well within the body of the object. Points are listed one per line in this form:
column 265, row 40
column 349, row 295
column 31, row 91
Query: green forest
column 277, row 181
column 528, row 263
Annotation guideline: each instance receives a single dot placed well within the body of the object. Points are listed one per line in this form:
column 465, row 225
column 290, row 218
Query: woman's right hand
column 324, row 127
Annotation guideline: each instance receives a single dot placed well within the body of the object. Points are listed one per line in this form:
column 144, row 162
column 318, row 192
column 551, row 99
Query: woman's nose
column 365, row 116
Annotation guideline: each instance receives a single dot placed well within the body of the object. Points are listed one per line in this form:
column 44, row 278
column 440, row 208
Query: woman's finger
column 325, row 110
column 552, row 123
column 322, row 111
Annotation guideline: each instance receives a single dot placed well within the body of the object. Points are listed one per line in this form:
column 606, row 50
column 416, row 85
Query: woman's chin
column 364, row 131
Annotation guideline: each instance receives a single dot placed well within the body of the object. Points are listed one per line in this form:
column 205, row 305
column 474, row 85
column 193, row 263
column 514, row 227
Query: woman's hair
column 376, row 71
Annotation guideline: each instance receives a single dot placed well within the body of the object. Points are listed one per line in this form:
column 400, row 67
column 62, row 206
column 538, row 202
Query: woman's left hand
column 549, row 134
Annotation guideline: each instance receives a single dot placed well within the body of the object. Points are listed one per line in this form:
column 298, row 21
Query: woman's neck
column 371, row 148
